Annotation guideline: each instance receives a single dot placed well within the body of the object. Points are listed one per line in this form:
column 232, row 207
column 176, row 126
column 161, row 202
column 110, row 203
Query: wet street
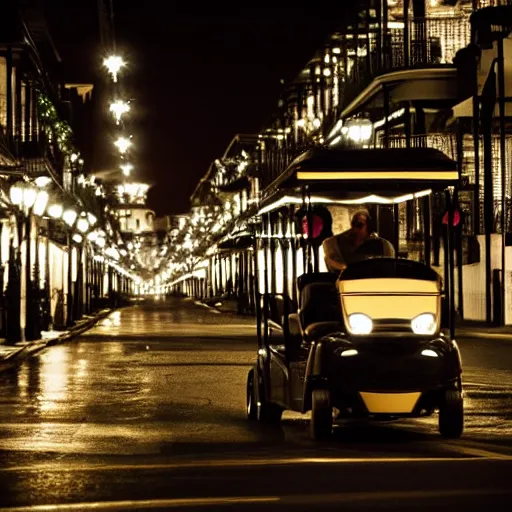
column 147, row 411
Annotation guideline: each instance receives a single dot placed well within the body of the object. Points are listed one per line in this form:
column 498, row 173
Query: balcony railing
column 429, row 42
column 445, row 142
column 275, row 158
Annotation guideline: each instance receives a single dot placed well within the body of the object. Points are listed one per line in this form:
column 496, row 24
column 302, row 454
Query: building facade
column 60, row 247
column 398, row 73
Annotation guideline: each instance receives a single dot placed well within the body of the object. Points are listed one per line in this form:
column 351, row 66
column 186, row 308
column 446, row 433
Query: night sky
column 197, row 77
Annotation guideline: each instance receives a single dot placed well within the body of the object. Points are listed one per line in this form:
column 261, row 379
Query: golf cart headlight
column 424, row 324
column 360, row 324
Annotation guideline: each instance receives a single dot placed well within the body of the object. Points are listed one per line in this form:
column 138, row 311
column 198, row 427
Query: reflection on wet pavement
column 169, row 379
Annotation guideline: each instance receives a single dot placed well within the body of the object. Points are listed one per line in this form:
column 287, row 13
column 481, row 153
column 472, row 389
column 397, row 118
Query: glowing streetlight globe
column 118, row 109
column 55, row 210
column 114, row 63
column 122, row 143
column 127, row 169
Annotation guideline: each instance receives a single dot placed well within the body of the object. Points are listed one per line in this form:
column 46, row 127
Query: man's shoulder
column 388, row 247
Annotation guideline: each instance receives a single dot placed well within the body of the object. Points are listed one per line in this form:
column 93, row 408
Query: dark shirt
column 342, row 249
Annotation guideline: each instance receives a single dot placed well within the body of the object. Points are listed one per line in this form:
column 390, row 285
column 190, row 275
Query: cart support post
column 450, row 200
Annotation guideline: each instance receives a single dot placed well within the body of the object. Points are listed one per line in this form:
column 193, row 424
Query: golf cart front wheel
column 251, row 399
column 451, row 419
column 321, row 415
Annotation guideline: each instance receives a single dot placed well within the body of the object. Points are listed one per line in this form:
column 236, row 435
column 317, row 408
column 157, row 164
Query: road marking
column 216, row 463
column 485, row 335
column 146, row 504
column 294, row 499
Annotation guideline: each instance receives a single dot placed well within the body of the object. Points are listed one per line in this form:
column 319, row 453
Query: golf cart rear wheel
column 268, row 412
column 451, row 419
column 321, row 415
column 251, row 399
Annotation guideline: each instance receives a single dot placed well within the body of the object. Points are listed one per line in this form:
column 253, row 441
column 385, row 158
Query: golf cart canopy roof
column 356, row 176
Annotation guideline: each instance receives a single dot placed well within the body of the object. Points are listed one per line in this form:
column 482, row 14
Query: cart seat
column 318, row 299
column 315, row 277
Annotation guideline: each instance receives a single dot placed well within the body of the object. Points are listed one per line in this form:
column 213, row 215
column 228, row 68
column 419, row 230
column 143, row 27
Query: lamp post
column 82, row 225
column 13, row 291
column 47, row 320
column 69, row 216
column 54, row 211
column 30, row 201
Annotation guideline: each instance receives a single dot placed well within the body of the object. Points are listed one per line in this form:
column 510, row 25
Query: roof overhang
column 424, row 84
column 83, row 90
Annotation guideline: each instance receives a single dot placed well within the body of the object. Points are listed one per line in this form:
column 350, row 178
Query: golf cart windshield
column 389, row 268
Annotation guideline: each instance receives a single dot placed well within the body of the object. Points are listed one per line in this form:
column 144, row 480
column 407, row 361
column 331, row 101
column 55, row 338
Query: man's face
column 360, row 225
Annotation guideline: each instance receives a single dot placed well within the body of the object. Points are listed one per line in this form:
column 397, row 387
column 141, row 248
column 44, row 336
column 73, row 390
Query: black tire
column 251, row 399
column 321, row 415
column 451, row 419
column 268, row 412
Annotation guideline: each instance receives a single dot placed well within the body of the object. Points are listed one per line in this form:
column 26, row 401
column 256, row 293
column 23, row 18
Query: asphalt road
column 146, row 412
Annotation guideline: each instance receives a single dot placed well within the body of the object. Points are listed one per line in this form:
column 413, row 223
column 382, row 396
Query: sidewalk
column 469, row 329
column 12, row 354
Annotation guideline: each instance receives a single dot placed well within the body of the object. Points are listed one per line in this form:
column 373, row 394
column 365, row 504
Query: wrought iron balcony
column 423, row 42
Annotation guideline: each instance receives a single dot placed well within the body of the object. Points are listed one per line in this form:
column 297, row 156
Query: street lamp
column 82, row 224
column 359, row 131
column 92, row 219
column 118, row 109
column 55, row 210
column 69, row 216
column 122, row 144
column 127, row 169
column 114, row 63
column 43, row 181
column 41, row 202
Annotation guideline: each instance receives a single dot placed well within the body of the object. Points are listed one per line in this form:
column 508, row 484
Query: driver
column 359, row 242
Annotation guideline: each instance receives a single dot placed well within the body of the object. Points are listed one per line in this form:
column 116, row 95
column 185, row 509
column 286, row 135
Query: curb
column 482, row 335
column 459, row 332
column 23, row 353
